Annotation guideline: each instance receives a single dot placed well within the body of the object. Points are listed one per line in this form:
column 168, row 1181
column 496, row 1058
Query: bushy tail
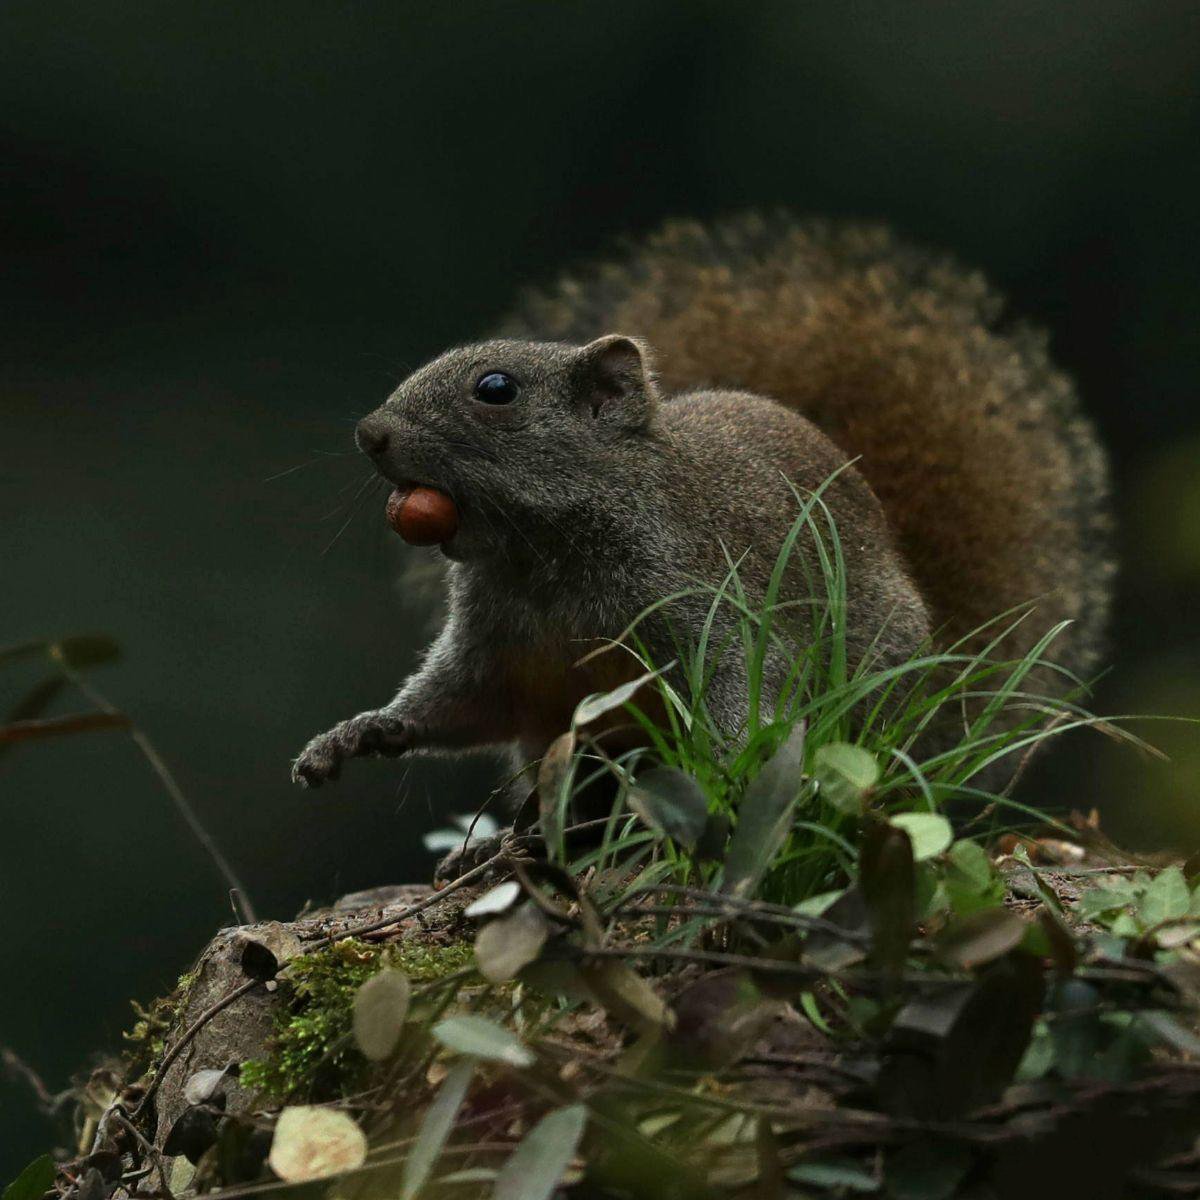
column 974, row 442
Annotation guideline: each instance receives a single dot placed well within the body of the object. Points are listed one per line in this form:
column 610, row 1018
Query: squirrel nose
column 371, row 436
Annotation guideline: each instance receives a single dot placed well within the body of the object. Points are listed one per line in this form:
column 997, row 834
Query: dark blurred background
column 226, row 230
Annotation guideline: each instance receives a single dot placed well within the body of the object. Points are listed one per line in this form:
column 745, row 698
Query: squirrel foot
column 368, row 734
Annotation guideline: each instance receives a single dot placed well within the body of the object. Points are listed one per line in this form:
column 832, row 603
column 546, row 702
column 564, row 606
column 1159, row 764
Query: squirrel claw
column 367, row 735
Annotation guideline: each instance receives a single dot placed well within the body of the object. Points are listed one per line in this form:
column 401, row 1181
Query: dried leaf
column 481, row 1038
column 979, row 937
column 380, row 1007
column 85, row 722
column 435, row 1129
column 497, row 900
column 540, row 1161
column 86, row 650
column 845, row 773
column 672, row 802
column 605, row 702
column 1060, row 940
column 314, row 1143
column 553, row 776
column 718, row 1018
column 765, row 817
column 505, row 945
column 202, row 1086
column 930, row 832
column 771, row 1183
column 887, row 880
column 194, row 1131
column 626, row 995
column 950, row 1050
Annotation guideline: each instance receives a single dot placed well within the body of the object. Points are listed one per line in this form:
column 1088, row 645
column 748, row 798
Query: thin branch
column 175, row 792
column 21, row 731
column 151, row 1152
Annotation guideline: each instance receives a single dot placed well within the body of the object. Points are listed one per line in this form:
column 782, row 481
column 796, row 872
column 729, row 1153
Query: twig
column 150, row 1150
column 737, row 906
column 20, row 731
column 772, row 966
column 175, row 792
column 16, row 1067
column 194, row 1028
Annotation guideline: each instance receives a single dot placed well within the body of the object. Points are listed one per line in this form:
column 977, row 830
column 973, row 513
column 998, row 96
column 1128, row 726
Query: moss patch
column 146, row 1040
column 312, row 1055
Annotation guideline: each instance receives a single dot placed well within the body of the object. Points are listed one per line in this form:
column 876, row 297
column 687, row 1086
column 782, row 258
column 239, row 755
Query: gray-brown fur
column 764, row 352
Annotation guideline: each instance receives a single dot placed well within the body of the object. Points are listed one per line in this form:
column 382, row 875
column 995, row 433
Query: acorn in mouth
column 422, row 516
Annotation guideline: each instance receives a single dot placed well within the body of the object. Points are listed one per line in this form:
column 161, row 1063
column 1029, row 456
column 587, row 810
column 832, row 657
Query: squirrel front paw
column 368, row 734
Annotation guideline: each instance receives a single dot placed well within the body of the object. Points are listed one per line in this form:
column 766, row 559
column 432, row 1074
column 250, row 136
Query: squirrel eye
column 497, row 388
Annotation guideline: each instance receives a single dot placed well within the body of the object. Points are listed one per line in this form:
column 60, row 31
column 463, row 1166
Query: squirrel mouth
column 422, row 516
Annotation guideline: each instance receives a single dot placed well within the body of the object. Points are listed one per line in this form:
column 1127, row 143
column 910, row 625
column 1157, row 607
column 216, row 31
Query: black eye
column 497, row 388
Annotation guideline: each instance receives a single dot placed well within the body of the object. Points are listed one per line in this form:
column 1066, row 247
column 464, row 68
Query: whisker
column 354, row 505
column 507, row 516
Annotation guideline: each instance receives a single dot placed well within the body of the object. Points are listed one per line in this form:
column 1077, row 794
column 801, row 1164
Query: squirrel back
column 991, row 478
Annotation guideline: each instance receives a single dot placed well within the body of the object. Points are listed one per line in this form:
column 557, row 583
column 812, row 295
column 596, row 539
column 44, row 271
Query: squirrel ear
column 615, row 380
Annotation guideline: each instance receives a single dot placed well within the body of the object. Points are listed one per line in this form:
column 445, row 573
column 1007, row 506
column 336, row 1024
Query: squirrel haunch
column 597, row 475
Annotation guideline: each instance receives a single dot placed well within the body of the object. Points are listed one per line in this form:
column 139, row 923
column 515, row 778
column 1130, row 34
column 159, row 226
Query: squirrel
column 638, row 426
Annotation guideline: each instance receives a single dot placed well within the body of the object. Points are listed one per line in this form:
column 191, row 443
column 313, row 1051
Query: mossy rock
column 288, row 1038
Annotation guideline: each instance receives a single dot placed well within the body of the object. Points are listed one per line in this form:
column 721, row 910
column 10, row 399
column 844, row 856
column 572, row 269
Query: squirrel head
column 514, row 432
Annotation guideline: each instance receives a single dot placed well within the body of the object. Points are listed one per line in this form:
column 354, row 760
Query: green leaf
column 835, row 1173
column 380, row 1007
column 435, row 1128
column 1167, row 898
column 970, row 880
column 1076, row 1030
column 34, row 1181
column 970, row 864
column 481, row 1038
column 538, row 1163
column 1039, row 1055
column 1108, row 899
column 505, row 945
column 978, row 938
column 930, row 833
column 672, row 802
column 816, row 905
column 765, row 817
column 845, row 773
